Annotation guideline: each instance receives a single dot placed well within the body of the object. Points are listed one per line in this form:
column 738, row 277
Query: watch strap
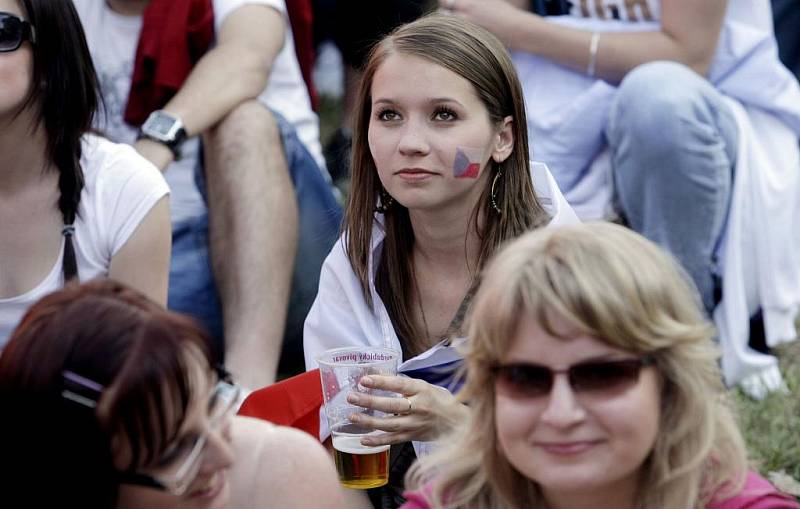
column 173, row 145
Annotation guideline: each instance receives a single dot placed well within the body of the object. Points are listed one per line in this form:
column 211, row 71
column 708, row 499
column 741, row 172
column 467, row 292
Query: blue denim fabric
column 674, row 144
column 192, row 289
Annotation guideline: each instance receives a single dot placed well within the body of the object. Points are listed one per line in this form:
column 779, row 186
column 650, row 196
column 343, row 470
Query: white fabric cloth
column 113, row 39
column 340, row 316
column 760, row 249
column 121, row 187
column 758, row 270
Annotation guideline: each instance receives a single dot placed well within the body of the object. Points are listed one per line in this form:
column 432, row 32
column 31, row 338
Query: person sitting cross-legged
column 253, row 200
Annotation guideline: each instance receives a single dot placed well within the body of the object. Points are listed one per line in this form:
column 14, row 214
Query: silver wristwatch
column 164, row 128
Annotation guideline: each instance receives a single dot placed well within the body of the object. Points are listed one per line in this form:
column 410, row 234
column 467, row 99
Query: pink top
column 757, row 493
column 418, row 499
column 415, row 500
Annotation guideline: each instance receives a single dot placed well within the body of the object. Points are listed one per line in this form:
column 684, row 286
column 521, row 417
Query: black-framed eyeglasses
column 182, row 462
column 14, row 31
column 529, row 380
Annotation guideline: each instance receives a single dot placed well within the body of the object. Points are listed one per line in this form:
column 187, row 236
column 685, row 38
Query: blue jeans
column 192, row 289
column 674, row 143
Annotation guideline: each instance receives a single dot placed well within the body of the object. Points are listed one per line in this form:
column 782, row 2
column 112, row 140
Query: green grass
column 771, row 427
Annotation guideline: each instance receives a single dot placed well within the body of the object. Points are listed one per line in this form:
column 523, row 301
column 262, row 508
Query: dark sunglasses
column 523, row 380
column 14, row 31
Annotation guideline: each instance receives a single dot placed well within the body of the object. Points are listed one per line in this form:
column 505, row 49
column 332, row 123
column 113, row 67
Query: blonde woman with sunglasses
column 110, row 401
column 593, row 382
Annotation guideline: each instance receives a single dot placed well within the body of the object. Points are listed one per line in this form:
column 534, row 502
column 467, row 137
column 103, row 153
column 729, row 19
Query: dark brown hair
column 117, row 338
column 479, row 57
column 65, row 93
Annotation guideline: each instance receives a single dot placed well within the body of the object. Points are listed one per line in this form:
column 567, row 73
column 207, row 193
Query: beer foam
column 351, row 444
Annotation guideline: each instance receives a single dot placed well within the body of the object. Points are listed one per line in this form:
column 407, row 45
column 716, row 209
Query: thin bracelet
column 593, row 44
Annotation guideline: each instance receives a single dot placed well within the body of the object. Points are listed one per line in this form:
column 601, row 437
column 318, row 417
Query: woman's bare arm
column 143, row 262
column 689, row 34
column 275, row 466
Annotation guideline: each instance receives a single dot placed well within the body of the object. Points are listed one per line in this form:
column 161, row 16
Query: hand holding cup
column 422, row 411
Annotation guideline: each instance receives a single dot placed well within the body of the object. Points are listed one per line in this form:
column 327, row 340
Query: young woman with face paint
column 440, row 178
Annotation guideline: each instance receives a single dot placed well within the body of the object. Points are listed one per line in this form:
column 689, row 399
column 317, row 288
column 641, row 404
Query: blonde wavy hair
column 613, row 284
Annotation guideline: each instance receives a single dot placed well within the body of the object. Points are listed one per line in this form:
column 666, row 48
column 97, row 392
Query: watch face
column 162, row 126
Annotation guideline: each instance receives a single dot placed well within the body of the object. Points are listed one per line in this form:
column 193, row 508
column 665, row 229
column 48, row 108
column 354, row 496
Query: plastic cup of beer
column 359, row 466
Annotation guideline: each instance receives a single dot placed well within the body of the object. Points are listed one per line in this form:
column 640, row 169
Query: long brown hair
column 479, row 57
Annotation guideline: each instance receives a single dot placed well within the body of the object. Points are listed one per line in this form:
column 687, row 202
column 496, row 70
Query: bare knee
column 249, row 127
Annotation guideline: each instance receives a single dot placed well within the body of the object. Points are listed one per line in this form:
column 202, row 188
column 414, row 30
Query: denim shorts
column 191, row 286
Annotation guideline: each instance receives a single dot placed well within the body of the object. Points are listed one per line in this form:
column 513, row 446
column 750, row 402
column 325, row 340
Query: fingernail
column 368, row 441
column 354, row 418
column 367, row 380
column 353, row 398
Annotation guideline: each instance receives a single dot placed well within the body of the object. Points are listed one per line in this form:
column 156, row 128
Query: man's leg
column 320, row 220
column 674, row 143
column 253, row 222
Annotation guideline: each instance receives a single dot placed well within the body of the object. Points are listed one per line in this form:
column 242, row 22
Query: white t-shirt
column 112, row 40
column 120, row 189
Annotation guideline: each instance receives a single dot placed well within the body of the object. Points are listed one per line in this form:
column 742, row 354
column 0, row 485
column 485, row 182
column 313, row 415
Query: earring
column 494, row 191
column 385, row 201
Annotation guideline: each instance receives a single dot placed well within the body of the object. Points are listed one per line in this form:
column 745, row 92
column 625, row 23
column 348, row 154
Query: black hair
column 65, row 91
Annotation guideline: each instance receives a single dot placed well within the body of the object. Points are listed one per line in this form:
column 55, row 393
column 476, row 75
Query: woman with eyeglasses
column 74, row 206
column 109, row 401
column 593, row 382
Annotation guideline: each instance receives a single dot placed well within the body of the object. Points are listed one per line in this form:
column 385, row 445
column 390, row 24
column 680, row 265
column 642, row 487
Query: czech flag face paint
column 430, row 136
column 467, row 163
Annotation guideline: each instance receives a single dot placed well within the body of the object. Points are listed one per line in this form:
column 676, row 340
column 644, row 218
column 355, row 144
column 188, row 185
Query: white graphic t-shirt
column 112, row 40
column 622, row 10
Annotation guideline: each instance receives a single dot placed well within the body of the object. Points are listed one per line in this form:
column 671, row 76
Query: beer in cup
column 359, row 466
